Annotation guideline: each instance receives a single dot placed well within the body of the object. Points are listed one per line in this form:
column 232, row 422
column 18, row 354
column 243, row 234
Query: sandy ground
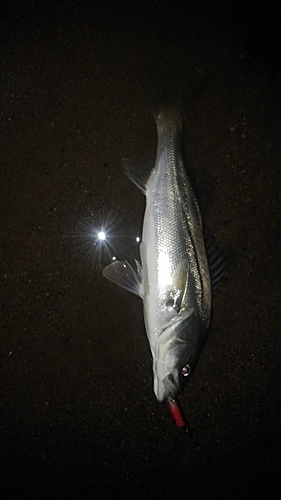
column 78, row 416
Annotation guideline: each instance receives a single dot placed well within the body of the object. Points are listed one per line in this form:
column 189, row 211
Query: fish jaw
column 173, row 383
column 175, row 354
column 167, row 387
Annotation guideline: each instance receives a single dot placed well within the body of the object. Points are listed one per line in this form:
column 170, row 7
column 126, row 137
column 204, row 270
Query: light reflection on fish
column 173, row 279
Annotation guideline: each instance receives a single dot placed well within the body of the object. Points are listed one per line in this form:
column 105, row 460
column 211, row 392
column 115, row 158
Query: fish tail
column 163, row 98
column 168, row 118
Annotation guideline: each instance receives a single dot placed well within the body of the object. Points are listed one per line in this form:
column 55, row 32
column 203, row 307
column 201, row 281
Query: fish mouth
column 171, row 385
column 166, row 388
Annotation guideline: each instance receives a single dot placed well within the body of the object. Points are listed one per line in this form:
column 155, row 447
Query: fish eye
column 186, row 370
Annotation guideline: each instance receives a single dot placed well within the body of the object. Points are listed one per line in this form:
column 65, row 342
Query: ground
column 79, row 419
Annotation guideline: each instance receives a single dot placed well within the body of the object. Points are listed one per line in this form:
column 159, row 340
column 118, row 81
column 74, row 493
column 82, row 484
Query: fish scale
column 173, row 213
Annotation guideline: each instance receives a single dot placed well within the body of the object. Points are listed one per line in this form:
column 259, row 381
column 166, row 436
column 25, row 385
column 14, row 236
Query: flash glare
column 102, row 240
column 101, row 235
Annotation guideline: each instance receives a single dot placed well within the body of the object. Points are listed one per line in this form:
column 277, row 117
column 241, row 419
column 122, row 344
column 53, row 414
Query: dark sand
column 78, row 416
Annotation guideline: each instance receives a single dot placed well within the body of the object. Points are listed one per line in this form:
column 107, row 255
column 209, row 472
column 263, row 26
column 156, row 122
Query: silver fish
column 173, row 279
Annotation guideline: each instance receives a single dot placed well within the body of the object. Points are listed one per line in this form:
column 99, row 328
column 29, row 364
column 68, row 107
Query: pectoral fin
column 123, row 274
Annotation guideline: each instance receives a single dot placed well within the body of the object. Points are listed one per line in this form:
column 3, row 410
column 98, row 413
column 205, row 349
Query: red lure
column 176, row 412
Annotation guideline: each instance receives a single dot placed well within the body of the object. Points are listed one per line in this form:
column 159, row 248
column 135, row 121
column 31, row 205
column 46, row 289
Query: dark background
column 78, row 416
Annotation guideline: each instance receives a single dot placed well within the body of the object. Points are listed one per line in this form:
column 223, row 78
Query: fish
column 173, row 278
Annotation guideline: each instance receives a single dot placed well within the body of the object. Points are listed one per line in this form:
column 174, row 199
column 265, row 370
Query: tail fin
column 168, row 118
column 162, row 94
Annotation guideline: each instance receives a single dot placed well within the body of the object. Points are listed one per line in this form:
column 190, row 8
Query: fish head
column 177, row 352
